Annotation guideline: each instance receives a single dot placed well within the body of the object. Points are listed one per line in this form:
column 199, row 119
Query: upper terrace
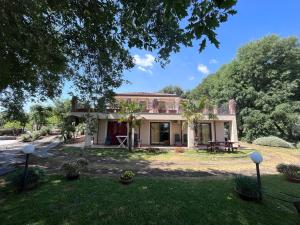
column 157, row 103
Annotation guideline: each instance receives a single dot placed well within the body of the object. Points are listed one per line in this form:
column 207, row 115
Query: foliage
column 127, row 175
column 264, row 80
column 25, row 137
column 13, row 125
column 193, row 111
column 247, row 186
column 38, row 115
column 289, row 170
column 36, row 135
column 80, row 128
column 170, row 89
column 82, row 162
column 72, row 169
column 86, row 47
column 45, row 131
column 129, row 112
column 35, row 176
column 273, row 142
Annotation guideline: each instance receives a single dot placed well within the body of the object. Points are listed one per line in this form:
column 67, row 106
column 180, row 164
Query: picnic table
column 121, row 139
column 221, row 145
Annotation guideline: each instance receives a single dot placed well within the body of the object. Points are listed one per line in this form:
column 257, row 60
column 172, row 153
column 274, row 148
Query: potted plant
column 127, row 177
column 291, row 172
column 72, row 169
column 247, row 188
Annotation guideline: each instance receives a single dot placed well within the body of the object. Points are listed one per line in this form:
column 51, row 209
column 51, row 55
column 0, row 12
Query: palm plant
column 129, row 113
column 193, row 111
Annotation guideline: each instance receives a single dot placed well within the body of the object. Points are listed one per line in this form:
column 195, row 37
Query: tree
column 193, row 111
column 170, row 89
column 38, row 115
column 91, row 39
column 264, row 80
column 129, row 113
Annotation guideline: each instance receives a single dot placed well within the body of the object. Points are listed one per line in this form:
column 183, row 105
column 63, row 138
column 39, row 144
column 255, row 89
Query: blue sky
column 254, row 19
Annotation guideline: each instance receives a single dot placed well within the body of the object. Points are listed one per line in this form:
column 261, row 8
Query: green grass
column 167, row 154
column 146, row 201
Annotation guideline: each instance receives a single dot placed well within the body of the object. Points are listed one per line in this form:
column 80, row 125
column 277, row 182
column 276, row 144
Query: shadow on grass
column 146, row 201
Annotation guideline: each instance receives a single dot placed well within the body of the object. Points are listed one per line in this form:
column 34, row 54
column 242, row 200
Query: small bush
column 45, row 131
column 247, row 186
column 35, row 176
column 25, row 137
column 273, row 142
column 72, row 169
column 127, row 175
column 289, row 170
column 36, row 135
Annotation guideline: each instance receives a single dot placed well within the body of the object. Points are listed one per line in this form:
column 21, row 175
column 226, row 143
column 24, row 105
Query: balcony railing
column 169, row 108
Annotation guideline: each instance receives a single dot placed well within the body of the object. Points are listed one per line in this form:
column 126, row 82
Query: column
column 233, row 131
column 191, row 136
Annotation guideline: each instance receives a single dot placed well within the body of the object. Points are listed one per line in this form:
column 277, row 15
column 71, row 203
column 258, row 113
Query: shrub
column 82, row 163
column 45, row 131
column 80, row 128
column 127, row 175
column 273, row 142
column 72, row 169
column 35, row 176
column 36, row 135
column 289, row 170
column 247, row 186
column 25, row 137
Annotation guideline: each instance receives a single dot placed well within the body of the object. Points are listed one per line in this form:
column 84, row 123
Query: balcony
column 156, row 106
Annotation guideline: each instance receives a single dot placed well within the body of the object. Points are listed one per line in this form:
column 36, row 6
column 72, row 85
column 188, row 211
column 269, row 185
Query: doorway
column 160, row 133
column 204, row 133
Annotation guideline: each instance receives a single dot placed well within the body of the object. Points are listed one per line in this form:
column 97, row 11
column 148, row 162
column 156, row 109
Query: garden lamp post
column 257, row 158
column 27, row 150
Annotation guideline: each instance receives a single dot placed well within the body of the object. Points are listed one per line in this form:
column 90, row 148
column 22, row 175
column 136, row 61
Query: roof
column 146, row 94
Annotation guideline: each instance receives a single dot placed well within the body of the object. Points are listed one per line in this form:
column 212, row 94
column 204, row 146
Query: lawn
column 94, row 200
column 163, row 154
column 170, row 162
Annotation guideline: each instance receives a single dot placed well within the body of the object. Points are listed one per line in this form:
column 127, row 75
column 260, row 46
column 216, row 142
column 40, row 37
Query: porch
column 161, row 133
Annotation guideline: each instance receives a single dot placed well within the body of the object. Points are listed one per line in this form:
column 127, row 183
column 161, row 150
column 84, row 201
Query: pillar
column 191, row 136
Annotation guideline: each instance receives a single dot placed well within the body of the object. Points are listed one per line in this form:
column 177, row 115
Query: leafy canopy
column 170, row 89
column 264, row 79
column 43, row 43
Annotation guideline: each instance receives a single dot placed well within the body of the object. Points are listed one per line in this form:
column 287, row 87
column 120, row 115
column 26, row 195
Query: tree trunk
column 130, row 136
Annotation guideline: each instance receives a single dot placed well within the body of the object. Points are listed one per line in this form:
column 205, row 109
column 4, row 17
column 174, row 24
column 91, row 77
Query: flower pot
column 247, row 196
column 127, row 181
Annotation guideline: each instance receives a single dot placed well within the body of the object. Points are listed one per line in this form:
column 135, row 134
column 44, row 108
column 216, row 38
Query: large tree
column 45, row 42
column 264, row 79
column 170, row 89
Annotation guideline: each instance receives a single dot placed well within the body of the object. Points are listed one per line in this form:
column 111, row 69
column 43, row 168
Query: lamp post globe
column 28, row 149
column 257, row 158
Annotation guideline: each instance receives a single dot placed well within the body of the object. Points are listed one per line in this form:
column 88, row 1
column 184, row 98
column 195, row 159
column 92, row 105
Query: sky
column 254, row 20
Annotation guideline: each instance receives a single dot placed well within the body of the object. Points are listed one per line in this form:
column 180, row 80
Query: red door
column 114, row 129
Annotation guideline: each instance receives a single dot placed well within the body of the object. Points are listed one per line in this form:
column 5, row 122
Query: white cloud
column 146, row 61
column 191, row 78
column 145, row 70
column 203, row 69
column 213, row 61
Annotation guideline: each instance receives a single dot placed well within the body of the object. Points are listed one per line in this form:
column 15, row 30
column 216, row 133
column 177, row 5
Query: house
column 162, row 122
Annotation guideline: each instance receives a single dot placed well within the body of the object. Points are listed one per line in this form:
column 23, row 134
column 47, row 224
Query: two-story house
column 162, row 122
